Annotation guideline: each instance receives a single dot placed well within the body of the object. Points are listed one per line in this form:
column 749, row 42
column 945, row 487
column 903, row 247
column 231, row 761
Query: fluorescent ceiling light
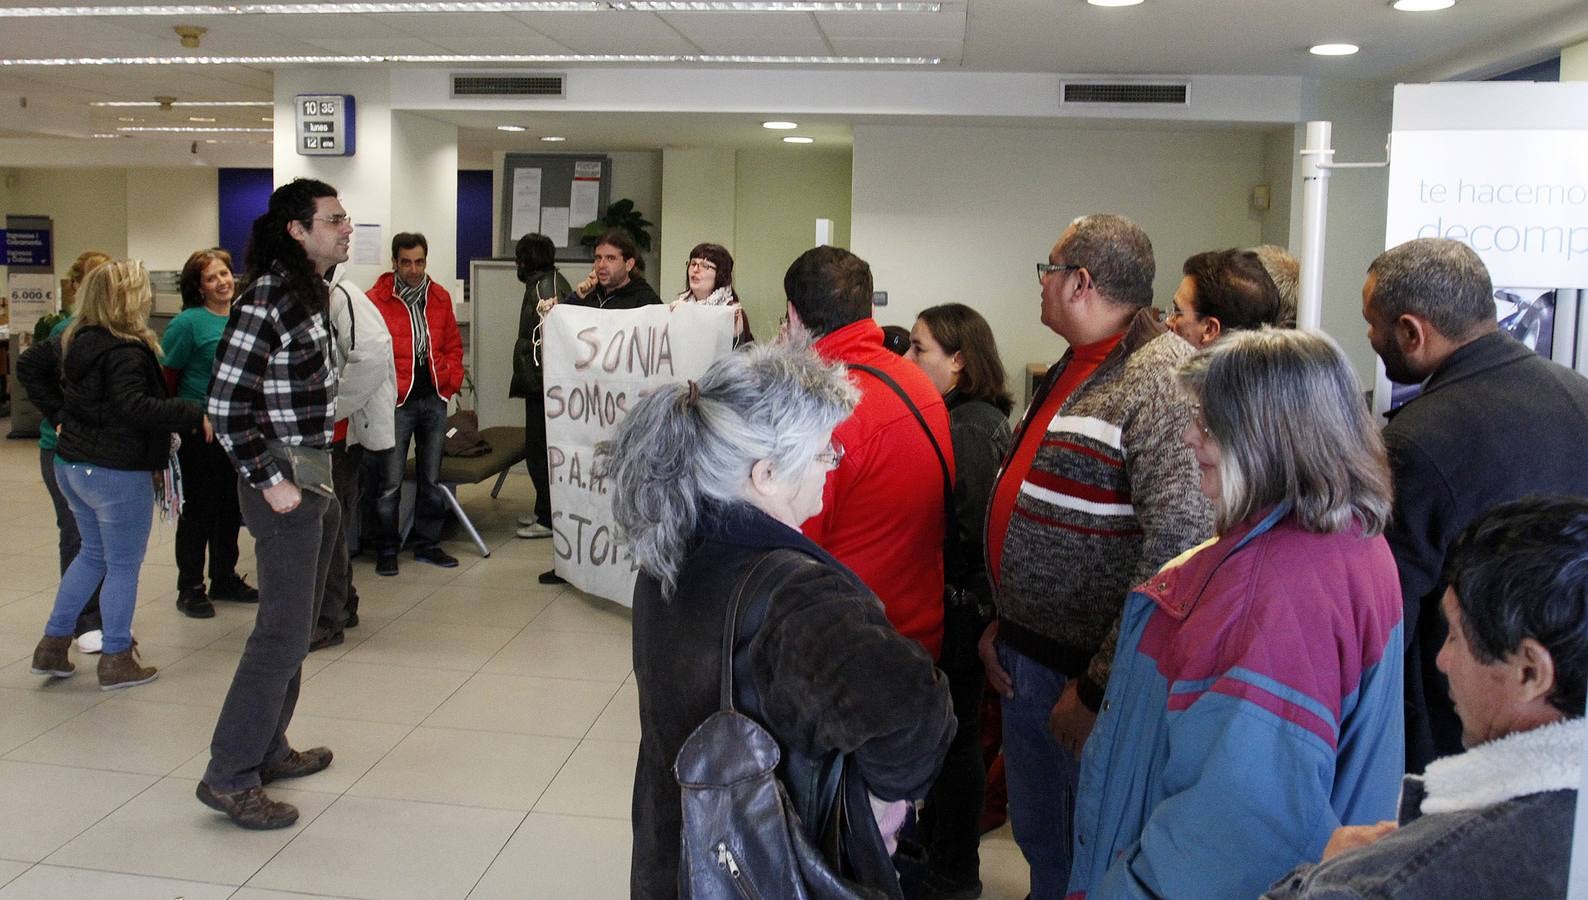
column 201, row 118
column 1114, row 2
column 153, row 104
column 1422, row 5
column 553, row 138
column 466, row 6
column 796, row 139
column 510, row 128
column 1333, row 49
column 780, row 126
column 191, row 129
column 603, row 58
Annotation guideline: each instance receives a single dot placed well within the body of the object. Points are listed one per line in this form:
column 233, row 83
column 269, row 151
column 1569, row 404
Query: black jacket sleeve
column 128, row 386
column 834, row 675
column 39, row 370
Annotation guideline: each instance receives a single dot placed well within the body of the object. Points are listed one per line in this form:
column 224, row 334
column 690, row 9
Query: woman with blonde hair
column 1255, row 704
column 115, row 421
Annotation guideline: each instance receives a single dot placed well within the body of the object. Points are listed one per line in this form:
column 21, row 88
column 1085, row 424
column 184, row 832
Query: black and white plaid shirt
column 275, row 379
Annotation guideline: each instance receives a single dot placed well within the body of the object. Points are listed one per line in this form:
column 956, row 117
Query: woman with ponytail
column 712, row 478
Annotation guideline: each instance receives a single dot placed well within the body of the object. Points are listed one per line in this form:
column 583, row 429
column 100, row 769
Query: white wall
column 964, row 214
column 171, row 213
column 637, row 175
column 698, row 200
column 88, row 206
column 424, row 190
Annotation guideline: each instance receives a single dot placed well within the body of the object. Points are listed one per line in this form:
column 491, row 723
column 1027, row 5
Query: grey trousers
column 293, row 553
column 345, row 463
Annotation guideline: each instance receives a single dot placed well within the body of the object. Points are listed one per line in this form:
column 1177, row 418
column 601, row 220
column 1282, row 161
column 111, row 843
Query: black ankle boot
column 194, row 603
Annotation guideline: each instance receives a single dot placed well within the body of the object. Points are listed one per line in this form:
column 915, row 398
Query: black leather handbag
column 741, row 836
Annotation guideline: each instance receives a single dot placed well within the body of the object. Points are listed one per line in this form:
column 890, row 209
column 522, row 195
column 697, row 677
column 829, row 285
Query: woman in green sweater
column 210, row 517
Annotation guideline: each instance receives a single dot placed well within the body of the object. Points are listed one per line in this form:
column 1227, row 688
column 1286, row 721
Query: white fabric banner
column 598, row 363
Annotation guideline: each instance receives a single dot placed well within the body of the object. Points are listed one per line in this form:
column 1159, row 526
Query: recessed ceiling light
column 553, row 138
column 510, row 128
column 1333, row 49
column 780, row 126
column 796, row 139
column 102, row 135
column 191, row 129
column 201, row 118
column 1114, row 2
column 267, row 118
column 468, row 6
column 156, row 103
column 126, row 118
column 1422, row 5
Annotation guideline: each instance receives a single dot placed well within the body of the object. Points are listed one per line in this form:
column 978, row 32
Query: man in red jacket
column 882, row 509
column 428, row 354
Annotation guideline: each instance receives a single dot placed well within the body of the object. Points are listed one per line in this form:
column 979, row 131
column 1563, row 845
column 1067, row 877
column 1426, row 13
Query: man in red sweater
column 882, row 510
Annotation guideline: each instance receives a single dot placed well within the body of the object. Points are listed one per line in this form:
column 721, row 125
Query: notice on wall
column 30, row 297
column 584, row 200
column 1520, row 199
column 598, row 365
column 526, row 203
column 554, row 224
column 366, row 245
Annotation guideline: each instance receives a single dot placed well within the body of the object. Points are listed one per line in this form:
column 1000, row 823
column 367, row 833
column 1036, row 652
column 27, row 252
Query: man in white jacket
column 365, row 402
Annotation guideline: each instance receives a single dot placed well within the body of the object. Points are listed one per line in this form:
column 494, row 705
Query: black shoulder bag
column 741, row 836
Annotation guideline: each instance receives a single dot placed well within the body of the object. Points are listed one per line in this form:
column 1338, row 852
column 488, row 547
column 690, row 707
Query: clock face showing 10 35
column 324, row 124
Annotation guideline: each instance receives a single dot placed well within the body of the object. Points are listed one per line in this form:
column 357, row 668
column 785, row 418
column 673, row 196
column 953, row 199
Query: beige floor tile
column 432, row 645
column 453, row 605
column 124, row 735
column 566, row 654
column 10, row 869
column 1004, row 874
column 248, row 893
column 30, row 712
column 371, row 693
column 202, row 678
column 357, row 747
column 166, row 832
column 520, row 704
column 620, row 721
column 503, row 570
column 598, row 780
column 87, row 884
column 46, row 806
column 561, row 856
column 577, row 611
column 390, row 849
column 466, row 768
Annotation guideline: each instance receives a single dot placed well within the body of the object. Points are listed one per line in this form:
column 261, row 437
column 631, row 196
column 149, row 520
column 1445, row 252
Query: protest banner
column 598, row 363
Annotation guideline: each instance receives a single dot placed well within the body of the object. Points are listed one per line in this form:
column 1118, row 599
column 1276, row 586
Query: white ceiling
column 1170, row 37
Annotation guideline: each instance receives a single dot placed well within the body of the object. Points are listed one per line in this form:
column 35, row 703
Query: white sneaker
column 534, row 530
column 527, row 520
column 91, row 641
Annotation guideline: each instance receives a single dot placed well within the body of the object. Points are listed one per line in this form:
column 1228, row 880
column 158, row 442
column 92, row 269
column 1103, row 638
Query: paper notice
column 526, row 203
column 587, row 169
column 583, row 200
column 366, row 245
column 554, row 224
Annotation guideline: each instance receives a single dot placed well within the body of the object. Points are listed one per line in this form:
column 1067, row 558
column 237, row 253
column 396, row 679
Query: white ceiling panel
column 350, row 45
column 948, row 50
column 344, row 26
column 768, row 27
column 806, row 45
column 611, row 32
column 521, row 41
column 947, row 24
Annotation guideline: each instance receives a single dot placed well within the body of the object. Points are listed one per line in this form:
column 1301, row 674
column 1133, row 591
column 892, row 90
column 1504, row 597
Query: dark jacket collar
column 743, row 525
column 1476, row 357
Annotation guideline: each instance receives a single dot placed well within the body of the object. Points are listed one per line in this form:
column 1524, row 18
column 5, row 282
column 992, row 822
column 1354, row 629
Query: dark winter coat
column 547, row 284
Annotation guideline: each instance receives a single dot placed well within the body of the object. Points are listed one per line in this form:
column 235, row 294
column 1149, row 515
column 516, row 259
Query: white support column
column 1314, row 220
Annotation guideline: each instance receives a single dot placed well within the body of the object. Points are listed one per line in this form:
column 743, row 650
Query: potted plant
column 620, row 215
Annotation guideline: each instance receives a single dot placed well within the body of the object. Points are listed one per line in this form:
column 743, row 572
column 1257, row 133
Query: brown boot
column 49, row 658
column 120, row 670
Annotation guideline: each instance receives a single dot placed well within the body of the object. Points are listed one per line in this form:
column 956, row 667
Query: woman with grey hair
column 710, row 479
column 1255, row 700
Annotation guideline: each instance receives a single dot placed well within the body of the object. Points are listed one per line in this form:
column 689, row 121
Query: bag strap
column 754, row 592
column 950, row 513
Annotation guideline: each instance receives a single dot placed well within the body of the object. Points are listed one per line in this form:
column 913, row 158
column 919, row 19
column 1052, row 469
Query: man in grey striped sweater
column 1098, row 492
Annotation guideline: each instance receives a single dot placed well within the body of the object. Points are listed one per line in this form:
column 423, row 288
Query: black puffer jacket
column 110, row 402
column 542, row 285
column 828, row 671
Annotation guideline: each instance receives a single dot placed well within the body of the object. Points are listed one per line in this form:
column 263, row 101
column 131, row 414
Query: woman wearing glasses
column 109, row 401
column 1254, row 704
column 709, row 280
column 713, row 480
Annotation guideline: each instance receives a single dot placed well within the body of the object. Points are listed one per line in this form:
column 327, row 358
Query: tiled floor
column 484, row 726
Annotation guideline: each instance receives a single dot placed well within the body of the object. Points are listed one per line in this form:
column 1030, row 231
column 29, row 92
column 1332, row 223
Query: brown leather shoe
column 49, row 657
column 296, row 764
column 249, row 808
column 121, row 670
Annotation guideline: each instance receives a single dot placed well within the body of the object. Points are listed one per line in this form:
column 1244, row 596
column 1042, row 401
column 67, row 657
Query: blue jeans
column 1041, row 775
column 423, row 419
column 114, row 509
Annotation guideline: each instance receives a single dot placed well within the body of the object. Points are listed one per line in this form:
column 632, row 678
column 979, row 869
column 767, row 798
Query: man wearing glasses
column 1098, row 492
column 273, row 401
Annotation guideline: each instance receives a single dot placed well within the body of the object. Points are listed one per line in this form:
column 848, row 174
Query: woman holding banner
column 708, row 279
column 711, row 481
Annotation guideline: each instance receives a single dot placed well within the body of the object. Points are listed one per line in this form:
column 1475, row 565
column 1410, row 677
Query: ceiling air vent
column 509, row 84
column 1129, row 93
